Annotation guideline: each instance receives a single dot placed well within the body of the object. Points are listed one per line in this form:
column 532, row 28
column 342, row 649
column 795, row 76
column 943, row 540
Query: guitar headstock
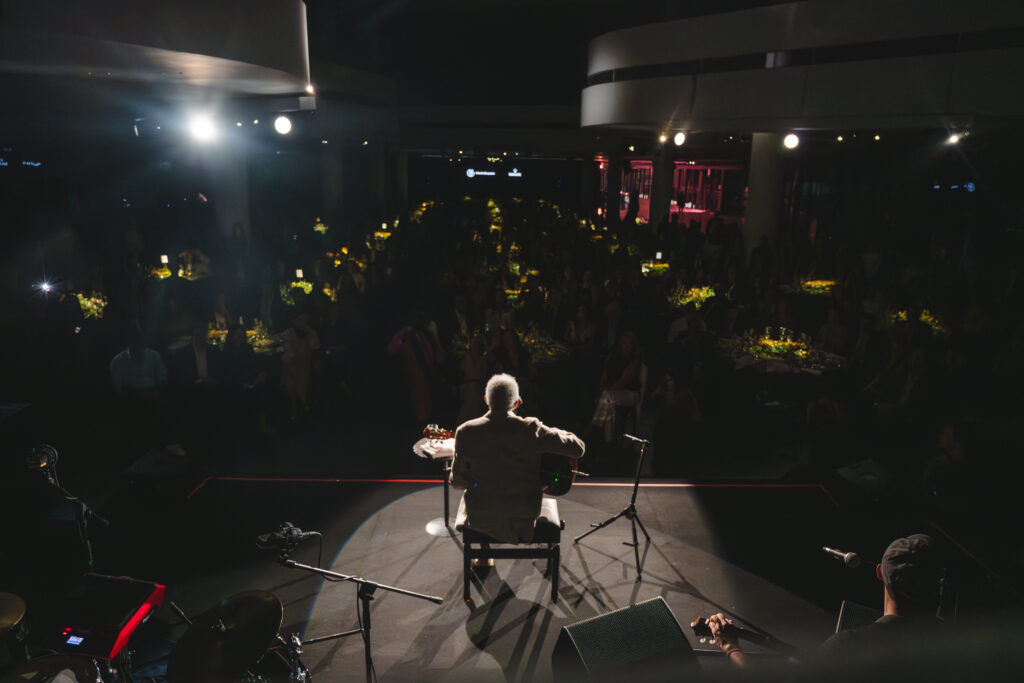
column 434, row 432
column 700, row 628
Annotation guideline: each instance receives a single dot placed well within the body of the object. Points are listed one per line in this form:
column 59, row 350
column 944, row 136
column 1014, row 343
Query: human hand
column 723, row 636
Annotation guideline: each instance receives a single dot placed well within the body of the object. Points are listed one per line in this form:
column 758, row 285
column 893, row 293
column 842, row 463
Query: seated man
column 908, row 628
column 497, row 463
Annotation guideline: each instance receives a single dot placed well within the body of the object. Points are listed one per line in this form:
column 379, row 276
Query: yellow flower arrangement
column 161, row 273
column 696, row 295
column 817, row 287
column 92, row 304
column 654, row 268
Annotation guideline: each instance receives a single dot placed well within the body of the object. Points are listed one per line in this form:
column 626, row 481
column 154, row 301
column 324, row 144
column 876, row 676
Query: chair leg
column 553, row 562
column 465, row 572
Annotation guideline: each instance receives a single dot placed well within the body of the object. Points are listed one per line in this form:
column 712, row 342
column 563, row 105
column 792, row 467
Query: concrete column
column 614, row 186
column 764, row 200
column 588, row 183
column 661, row 185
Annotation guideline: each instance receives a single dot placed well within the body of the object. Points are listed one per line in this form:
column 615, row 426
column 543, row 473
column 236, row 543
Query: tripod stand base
column 439, row 527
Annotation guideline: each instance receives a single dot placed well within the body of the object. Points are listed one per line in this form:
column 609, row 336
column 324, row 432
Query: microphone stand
column 629, row 512
column 365, row 595
column 82, row 514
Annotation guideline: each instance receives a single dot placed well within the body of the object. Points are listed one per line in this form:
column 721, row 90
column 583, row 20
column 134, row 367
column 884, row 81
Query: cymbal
column 226, row 640
column 46, row 668
column 12, row 610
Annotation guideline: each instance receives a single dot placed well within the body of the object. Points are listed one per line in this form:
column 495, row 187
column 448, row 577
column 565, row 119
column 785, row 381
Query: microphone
column 43, row 457
column 635, row 438
column 287, row 535
column 851, row 560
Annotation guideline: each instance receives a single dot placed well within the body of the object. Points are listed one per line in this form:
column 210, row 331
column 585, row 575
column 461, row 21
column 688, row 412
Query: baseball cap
column 910, row 570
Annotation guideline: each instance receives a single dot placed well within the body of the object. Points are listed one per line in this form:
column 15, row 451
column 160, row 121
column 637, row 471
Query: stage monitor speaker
column 642, row 642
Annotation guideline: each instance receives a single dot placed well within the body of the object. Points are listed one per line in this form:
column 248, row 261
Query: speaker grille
column 644, row 638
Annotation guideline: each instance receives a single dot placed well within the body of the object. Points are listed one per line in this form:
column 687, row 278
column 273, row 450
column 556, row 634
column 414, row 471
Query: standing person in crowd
column 138, row 371
column 300, row 344
column 620, row 385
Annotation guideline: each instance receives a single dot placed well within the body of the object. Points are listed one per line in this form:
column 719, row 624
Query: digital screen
column 74, row 640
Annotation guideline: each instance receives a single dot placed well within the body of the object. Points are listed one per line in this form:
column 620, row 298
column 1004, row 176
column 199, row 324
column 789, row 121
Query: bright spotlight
column 283, row 125
column 202, row 128
column 791, row 141
column 877, row 138
column 309, row 88
column 679, row 139
column 45, row 286
column 662, row 138
column 839, row 138
column 632, row 148
column 953, row 139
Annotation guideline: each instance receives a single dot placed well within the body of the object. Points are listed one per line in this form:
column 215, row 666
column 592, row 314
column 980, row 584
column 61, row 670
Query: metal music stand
column 365, row 594
column 629, row 512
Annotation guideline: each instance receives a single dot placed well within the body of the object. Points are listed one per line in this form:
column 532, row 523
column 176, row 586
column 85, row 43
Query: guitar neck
column 700, row 628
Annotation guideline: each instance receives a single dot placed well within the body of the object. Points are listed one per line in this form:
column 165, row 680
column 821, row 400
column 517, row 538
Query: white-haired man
column 497, row 463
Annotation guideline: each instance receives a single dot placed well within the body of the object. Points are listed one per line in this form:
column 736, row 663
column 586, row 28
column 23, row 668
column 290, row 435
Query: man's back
column 497, row 462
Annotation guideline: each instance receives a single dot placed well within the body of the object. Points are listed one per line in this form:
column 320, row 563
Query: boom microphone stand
column 629, row 512
column 43, row 457
column 365, row 594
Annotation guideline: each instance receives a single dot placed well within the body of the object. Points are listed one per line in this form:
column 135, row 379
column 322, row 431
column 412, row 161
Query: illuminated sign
column 32, row 163
column 515, row 173
column 472, row 173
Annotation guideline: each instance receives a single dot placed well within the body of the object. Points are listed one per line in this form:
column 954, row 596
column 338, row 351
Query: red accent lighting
column 155, row 599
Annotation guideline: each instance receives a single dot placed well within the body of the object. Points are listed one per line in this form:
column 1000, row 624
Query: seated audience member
column 512, row 358
column 581, row 332
column 676, row 425
column 138, row 370
column 620, row 384
column 910, row 573
column 832, row 336
column 237, row 359
column 613, row 328
column 197, row 363
column 948, row 477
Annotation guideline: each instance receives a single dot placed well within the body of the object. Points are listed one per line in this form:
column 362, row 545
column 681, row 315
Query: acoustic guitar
column 557, row 473
column 701, row 629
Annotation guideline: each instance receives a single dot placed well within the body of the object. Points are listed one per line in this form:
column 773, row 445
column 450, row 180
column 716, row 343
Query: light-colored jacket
column 497, row 462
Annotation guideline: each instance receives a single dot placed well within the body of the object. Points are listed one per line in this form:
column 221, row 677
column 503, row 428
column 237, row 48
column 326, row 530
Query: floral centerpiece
column 654, row 268
column 286, row 290
column 92, row 304
column 817, row 287
column 927, row 317
column 682, row 297
column 161, row 273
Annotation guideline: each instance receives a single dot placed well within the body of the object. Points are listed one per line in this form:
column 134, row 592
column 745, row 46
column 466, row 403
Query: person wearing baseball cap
column 909, row 572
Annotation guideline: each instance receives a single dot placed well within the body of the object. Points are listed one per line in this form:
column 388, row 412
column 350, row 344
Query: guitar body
column 556, row 474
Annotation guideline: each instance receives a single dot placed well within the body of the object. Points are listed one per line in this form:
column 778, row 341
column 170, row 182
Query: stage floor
column 508, row 629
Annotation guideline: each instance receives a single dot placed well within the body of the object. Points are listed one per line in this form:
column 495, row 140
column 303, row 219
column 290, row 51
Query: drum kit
column 235, row 641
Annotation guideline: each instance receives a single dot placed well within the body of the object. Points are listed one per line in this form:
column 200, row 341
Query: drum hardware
column 12, row 625
column 228, row 640
column 364, row 594
column 81, row 668
column 629, row 512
